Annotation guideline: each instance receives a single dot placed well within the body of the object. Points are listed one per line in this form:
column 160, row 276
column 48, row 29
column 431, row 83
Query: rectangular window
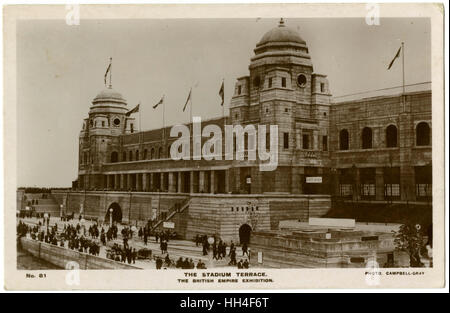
column 325, row 143
column 283, row 82
column 346, row 189
column 286, row 140
column 239, row 90
column 392, row 190
column 424, row 190
column 305, row 144
column 367, row 189
column 322, row 87
column 270, row 82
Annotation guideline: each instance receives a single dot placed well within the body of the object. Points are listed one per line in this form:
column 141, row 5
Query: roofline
column 383, row 97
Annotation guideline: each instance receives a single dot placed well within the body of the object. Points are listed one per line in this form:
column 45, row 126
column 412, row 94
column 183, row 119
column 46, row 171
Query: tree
column 409, row 239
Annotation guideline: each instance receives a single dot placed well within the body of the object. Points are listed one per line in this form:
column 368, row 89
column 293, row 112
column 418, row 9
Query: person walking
column 231, row 247
column 244, row 249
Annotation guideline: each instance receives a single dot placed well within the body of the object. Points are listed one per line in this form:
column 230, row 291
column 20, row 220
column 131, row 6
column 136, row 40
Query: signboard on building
column 314, row 180
column 260, row 257
column 168, row 224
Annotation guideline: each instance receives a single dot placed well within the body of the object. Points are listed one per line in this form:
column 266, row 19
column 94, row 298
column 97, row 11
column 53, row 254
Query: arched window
column 114, row 157
column 422, row 134
column 391, row 136
column 160, row 153
column 124, row 156
column 366, row 138
column 137, row 155
column 130, row 155
column 152, row 154
column 343, row 139
column 145, row 154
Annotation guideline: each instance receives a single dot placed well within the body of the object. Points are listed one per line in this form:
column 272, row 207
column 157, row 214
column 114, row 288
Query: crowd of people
column 125, row 254
column 77, row 237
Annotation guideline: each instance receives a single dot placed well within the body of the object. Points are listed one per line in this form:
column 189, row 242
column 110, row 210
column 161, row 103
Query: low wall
column 135, row 206
column 223, row 215
column 314, row 250
column 61, row 256
column 208, row 214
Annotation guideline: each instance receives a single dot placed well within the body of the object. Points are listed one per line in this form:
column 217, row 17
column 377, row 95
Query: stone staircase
column 177, row 208
column 45, row 205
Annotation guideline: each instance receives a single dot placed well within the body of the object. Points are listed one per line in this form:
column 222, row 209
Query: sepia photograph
column 225, row 149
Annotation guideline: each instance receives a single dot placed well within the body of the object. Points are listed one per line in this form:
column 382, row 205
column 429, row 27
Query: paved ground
column 176, row 248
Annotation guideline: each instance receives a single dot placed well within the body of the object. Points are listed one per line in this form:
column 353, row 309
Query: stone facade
column 282, row 89
column 208, row 214
column 320, row 249
column 374, row 149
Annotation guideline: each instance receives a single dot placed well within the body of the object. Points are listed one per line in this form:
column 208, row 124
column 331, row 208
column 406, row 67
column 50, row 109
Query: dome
column 281, row 33
column 109, row 95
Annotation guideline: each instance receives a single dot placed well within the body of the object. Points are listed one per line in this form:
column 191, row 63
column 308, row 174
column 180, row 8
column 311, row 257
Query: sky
column 60, row 69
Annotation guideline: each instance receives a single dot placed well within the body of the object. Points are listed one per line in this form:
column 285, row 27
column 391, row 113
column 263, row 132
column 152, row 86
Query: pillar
column 161, row 181
column 172, row 184
column 315, row 140
column 379, row 184
column 144, row 182
column 180, row 182
column 335, row 182
column 407, row 183
column 237, row 179
column 122, row 181
column 129, row 182
column 357, row 184
column 227, row 181
column 151, row 181
column 117, row 181
column 301, row 180
column 191, row 187
column 295, row 183
column 255, row 173
column 201, row 181
column 212, row 182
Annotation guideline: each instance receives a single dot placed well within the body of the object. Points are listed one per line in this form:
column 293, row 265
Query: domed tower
column 100, row 137
column 282, row 89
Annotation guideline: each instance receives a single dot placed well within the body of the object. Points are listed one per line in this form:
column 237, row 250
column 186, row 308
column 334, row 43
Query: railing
column 422, row 86
column 177, row 208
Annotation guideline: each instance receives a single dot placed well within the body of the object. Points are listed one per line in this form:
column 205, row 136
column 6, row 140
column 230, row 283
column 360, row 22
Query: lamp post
column 129, row 210
column 110, row 217
column 210, row 256
column 82, row 221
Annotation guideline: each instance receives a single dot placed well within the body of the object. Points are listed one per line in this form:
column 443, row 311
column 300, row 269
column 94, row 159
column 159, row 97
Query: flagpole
column 110, row 73
column 190, row 109
column 139, row 116
column 223, row 104
column 164, row 121
column 403, row 66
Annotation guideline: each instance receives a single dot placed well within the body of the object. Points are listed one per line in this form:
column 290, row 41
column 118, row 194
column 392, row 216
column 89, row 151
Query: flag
column 187, row 100
column 107, row 71
column 396, row 56
column 160, row 102
column 135, row 110
column 221, row 92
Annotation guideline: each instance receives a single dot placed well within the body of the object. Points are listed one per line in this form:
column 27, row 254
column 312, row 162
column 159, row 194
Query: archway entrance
column 244, row 234
column 116, row 213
